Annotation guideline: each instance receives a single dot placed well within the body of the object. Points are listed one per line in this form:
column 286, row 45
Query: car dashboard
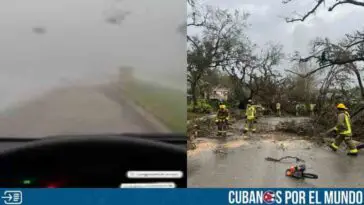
column 98, row 161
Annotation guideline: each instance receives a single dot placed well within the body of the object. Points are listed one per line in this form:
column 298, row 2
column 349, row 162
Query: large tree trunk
column 360, row 83
column 194, row 95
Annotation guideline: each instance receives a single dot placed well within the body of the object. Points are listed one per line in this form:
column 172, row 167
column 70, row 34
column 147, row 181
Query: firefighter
column 312, row 108
column 222, row 116
column 260, row 110
column 278, row 108
column 250, row 114
column 343, row 131
column 297, row 109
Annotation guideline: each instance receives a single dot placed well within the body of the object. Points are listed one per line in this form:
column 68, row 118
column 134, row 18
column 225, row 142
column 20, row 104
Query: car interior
column 93, row 161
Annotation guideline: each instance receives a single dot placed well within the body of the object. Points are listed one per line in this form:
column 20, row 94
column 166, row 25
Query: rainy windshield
column 91, row 66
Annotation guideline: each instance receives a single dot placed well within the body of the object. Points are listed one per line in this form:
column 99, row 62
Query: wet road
column 74, row 110
column 245, row 166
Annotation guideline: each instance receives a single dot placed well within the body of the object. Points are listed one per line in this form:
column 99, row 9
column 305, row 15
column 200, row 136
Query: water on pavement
column 73, row 110
column 245, row 165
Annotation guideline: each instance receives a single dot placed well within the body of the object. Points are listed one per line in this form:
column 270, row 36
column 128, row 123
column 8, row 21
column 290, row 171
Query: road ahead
column 245, row 165
column 74, row 110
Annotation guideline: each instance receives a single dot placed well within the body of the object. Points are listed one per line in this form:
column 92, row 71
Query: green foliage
column 202, row 107
column 214, row 104
column 166, row 104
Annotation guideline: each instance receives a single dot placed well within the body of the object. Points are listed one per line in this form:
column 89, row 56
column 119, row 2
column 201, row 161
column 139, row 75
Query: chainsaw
column 298, row 172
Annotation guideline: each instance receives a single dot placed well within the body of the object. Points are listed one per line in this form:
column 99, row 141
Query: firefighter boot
column 253, row 125
column 353, row 152
column 334, row 147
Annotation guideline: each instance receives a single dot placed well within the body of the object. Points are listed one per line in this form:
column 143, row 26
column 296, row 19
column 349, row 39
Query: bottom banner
column 179, row 196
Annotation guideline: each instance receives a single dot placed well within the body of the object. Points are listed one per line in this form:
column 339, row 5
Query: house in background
column 219, row 93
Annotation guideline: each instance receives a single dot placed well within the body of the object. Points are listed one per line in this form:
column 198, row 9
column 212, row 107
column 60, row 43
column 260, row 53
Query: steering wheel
column 89, row 161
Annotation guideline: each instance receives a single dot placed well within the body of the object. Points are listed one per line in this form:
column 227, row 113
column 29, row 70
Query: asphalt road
column 245, row 166
column 74, row 110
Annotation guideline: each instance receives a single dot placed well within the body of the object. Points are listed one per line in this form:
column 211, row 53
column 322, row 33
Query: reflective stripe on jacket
column 343, row 125
column 250, row 112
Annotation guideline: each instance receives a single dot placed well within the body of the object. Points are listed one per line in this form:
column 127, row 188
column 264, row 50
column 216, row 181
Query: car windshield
column 92, row 67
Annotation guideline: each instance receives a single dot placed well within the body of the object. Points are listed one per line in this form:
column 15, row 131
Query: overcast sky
column 80, row 45
column 267, row 23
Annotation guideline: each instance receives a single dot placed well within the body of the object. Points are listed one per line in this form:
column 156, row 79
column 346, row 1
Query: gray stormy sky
column 267, row 23
column 79, row 45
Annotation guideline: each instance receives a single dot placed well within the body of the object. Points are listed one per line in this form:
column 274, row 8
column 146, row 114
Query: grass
column 166, row 104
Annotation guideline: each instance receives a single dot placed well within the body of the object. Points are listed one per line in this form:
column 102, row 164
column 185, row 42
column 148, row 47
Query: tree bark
column 194, row 95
